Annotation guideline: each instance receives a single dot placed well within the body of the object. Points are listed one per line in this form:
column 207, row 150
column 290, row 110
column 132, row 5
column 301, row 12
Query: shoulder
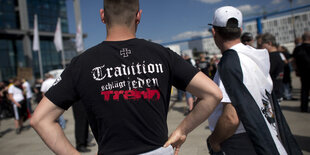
column 298, row 49
column 230, row 66
column 153, row 45
column 229, row 59
column 11, row 88
column 89, row 53
column 158, row 47
column 43, row 83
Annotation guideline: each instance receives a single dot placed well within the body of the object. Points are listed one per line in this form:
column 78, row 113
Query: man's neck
column 228, row 44
column 272, row 49
column 307, row 42
column 120, row 33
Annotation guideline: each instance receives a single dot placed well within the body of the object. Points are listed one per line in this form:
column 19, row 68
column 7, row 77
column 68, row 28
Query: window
column 7, row 14
column 304, row 17
column 47, row 20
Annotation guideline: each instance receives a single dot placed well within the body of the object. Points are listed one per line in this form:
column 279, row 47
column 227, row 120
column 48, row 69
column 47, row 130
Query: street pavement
column 29, row 143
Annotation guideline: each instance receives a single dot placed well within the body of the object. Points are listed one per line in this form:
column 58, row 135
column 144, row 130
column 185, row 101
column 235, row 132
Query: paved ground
column 29, row 143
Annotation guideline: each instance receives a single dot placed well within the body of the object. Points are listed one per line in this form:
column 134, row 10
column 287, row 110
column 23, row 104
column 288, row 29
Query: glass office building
column 16, row 33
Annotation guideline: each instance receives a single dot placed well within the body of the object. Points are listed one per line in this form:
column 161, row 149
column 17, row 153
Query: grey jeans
column 161, row 151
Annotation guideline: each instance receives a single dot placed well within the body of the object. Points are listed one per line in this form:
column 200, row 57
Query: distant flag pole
column 36, row 43
column 293, row 19
column 79, row 38
column 58, row 42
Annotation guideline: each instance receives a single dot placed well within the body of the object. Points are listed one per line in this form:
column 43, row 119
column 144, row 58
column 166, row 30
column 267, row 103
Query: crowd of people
column 17, row 97
column 16, row 101
column 282, row 64
column 127, row 107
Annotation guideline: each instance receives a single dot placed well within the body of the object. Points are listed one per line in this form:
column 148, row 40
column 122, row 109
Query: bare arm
column 44, row 123
column 209, row 96
column 226, row 126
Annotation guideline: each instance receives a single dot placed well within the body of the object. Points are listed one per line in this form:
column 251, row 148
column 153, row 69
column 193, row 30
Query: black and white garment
column 244, row 72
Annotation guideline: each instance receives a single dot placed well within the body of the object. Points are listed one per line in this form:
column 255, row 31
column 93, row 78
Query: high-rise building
column 16, row 33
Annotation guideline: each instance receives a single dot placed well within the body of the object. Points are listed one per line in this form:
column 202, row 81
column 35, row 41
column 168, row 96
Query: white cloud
column 190, row 34
column 157, row 41
column 247, row 8
column 276, row 1
column 210, row 1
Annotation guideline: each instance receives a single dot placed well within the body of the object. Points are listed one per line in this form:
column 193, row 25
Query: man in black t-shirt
column 301, row 56
column 124, row 84
column 276, row 64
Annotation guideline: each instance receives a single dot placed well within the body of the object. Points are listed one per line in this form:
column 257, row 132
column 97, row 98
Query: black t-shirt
column 301, row 55
column 125, row 87
column 276, row 73
column 287, row 68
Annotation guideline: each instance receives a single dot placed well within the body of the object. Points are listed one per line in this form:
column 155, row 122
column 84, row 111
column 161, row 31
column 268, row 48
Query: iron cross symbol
column 125, row 52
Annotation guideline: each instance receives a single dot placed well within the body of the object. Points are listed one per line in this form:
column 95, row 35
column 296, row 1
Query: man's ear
column 102, row 15
column 213, row 31
column 138, row 16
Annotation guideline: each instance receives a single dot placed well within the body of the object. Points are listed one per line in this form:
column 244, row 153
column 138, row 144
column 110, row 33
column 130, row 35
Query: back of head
column 259, row 41
column 306, row 37
column 246, row 37
column 269, row 38
column 298, row 41
column 283, row 49
column 227, row 22
column 120, row 12
column 16, row 81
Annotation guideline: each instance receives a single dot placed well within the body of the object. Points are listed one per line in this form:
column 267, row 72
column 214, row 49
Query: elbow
column 34, row 122
column 232, row 120
column 218, row 96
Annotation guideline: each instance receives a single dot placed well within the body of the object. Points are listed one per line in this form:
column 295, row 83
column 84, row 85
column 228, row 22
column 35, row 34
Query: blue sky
column 170, row 20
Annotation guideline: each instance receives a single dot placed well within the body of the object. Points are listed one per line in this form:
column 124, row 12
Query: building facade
column 281, row 27
column 16, row 34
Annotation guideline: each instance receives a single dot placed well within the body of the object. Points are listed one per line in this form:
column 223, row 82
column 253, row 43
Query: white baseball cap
column 223, row 14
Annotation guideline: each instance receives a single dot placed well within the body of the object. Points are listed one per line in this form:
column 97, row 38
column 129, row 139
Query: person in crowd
column 277, row 60
column 298, row 41
column 81, row 126
column 301, row 57
column 248, row 121
column 6, row 106
column 180, row 93
column 189, row 97
column 259, row 41
column 247, row 39
column 37, row 90
column 29, row 94
column 202, row 63
column 125, row 89
column 46, row 85
column 287, row 80
column 16, row 96
column 212, row 67
column 2, row 89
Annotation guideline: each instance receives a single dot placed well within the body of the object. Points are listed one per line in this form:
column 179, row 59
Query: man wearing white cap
column 249, row 119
